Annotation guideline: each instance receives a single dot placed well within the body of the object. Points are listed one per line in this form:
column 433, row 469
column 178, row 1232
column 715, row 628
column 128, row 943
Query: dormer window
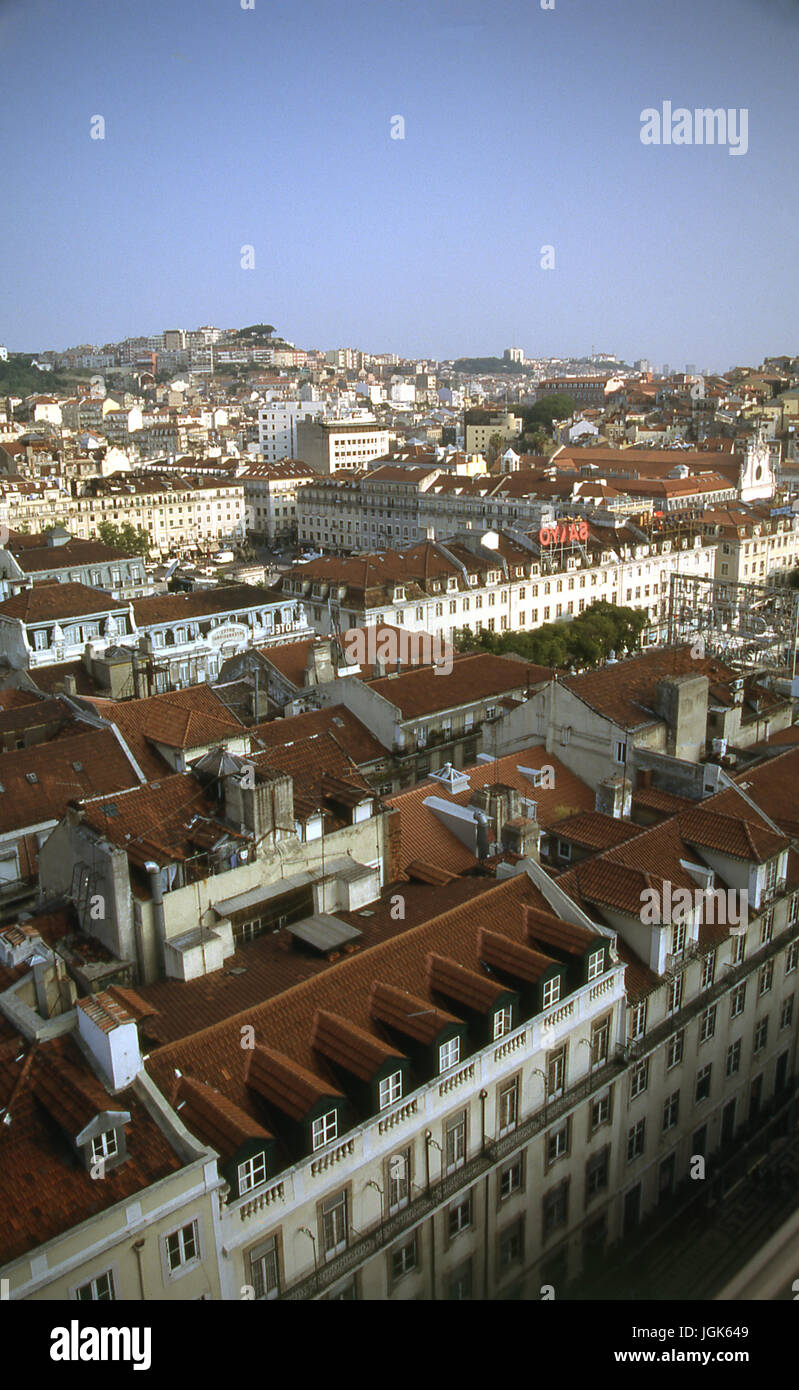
column 324, row 1129
column 503, row 1022
column 449, row 1054
column 595, row 964
column 252, row 1173
column 551, row 993
column 105, row 1146
column 390, row 1089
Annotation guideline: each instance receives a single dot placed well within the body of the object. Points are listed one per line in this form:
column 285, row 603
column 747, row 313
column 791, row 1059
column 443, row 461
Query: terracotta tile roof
column 18, row 699
column 200, row 603
column 424, row 837
column 350, row 1047
column 72, row 553
column 639, row 980
column 773, row 787
column 64, row 770
column 215, row 1119
column 478, row 676
column 543, row 928
column 655, row 800
column 290, row 659
column 269, row 965
column 57, row 602
column 157, row 821
column 626, row 692
column 53, row 678
column 281, row 1081
column 344, row 728
column 744, row 839
column 593, row 830
column 408, row 1014
column 513, row 958
column 43, row 1191
column 187, row 719
column 308, row 762
column 283, row 1024
column 466, row 987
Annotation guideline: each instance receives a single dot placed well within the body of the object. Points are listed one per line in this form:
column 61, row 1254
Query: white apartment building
column 396, row 504
column 755, row 547
column 332, row 446
column 271, row 492
column 277, row 426
column 500, row 581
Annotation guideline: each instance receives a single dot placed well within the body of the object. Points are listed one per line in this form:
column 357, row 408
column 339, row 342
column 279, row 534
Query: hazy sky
column 270, row 127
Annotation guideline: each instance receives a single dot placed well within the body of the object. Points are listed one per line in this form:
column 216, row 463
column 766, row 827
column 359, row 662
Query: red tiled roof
column 626, row 692
column 424, row 837
column 478, row 676
column 344, row 728
column 57, row 602
column 83, row 765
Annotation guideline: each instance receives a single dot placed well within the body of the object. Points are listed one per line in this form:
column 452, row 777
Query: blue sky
column 270, row 127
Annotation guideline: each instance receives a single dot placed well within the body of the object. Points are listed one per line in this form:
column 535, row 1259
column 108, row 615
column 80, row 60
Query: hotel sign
column 232, row 632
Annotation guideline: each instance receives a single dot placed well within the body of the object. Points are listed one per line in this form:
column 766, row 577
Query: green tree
column 126, row 537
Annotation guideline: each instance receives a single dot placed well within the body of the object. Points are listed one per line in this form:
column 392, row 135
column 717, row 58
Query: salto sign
column 563, row 532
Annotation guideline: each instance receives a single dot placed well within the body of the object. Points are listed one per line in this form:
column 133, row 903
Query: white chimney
column 111, row 1034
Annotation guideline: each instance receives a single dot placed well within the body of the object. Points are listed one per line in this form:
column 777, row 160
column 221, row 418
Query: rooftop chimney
column 111, row 1035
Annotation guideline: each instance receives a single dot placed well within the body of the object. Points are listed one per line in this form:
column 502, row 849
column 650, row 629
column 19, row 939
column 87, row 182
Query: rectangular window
column 675, row 995
column 734, row 1058
column 503, row 1022
column 703, row 1082
column 264, row 1270
column 390, row 1089
column 98, row 1290
column 677, row 938
column 639, row 1079
column 551, row 993
column 459, row 1217
column 738, row 951
column 636, row 1139
column 767, row 926
column 460, row 1283
column 638, row 1021
column 674, row 1049
column 104, row 1146
column 707, row 1024
column 558, row 1143
column 511, row 1178
column 449, row 1054
column 555, row 1208
column 252, row 1173
column 597, row 1172
column 183, row 1246
column 738, row 1000
column 786, row 1013
column 708, row 970
column 556, row 1073
column 404, row 1259
column 765, row 978
column 600, row 1039
column 791, row 957
column 600, row 1111
column 761, row 1034
column 595, row 964
column 334, row 1225
column 511, row 1246
column 455, row 1143
column 671, row 1110
column 399, row 1180
column 325, row 1129
column 508, row 1107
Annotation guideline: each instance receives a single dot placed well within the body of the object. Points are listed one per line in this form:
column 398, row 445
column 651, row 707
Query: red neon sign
column 563, row 532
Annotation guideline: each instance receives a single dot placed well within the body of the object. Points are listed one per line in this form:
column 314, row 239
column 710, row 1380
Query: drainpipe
column 158, row 913
column 483, row 1099
column 138, row 1247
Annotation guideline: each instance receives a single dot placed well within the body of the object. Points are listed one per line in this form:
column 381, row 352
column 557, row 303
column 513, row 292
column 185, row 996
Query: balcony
column 440, row 1192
